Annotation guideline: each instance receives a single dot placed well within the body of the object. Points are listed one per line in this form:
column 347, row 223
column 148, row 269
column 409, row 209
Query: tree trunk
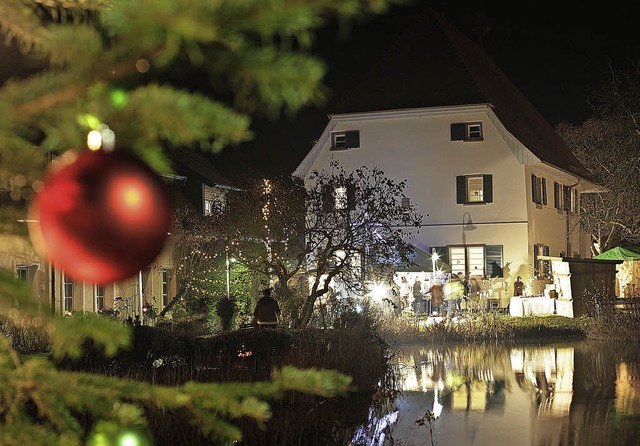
column 183, row 289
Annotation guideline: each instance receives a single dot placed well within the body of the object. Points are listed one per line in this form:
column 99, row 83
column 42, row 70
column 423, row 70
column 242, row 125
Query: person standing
column 417, row 296
column 404, row 292
column 267, row 311
column 437, row 297
column 453, row 290
column 518, row 287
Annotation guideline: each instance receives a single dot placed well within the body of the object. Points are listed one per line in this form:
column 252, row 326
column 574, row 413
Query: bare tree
column 608, row 145
column 610, row 149
column 338, row 226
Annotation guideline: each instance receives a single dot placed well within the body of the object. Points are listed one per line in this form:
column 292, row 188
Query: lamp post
column 467, row 225
column 434, row 257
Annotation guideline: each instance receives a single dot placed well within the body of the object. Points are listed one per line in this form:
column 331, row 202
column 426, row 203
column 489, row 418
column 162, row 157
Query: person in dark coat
column 518, row 287
column 437, row 297
column 267, row 311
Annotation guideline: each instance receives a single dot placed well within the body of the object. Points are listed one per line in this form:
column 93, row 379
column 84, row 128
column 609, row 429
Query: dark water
column 577, row 393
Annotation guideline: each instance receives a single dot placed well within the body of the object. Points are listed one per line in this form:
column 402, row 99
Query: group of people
column 437, row 298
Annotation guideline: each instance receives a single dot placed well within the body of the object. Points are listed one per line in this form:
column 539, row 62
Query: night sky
column 555, row 52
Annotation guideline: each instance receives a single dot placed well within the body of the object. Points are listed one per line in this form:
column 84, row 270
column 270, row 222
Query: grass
column 488, row 326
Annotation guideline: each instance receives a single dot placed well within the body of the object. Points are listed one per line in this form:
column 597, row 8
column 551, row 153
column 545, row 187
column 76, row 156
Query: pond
column 577, row 393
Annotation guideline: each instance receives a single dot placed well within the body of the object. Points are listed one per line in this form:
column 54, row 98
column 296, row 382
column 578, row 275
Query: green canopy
column 620, row 253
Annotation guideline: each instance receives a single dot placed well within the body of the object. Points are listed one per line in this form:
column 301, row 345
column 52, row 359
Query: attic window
column 466, row 131
column 345, row 140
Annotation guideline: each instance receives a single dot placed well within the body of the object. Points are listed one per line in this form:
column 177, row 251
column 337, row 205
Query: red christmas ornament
column 103, row 217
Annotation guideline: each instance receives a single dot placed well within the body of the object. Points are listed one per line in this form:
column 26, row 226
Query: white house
column 496, row 184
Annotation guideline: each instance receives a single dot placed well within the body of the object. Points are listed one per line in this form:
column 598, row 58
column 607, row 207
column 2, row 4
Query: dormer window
column 345, row 140
column 466, row 131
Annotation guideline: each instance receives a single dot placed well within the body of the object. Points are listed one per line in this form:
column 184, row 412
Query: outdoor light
column 379, row 291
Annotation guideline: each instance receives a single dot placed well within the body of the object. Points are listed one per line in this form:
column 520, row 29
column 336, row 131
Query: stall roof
column 620, row 253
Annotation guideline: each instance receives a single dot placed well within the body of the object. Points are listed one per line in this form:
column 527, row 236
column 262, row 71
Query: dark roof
column 187, row 161
column 433, row 64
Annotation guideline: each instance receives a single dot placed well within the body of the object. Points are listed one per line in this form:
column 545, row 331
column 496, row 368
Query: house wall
column 417, row 147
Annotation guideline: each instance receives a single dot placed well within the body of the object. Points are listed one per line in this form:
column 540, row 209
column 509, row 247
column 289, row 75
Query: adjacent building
column 196, row 184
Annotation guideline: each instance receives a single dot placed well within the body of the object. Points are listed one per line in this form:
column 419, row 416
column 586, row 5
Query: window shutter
column 352, row 138
column 556, row 195
column 536, row 269
column 493, row 259
column 458, row 131
column 487, row 188
column 566, row 198
column 461, row 189
column 544, row 191
column 534, row 188
column 327, row 198
column 351, row 196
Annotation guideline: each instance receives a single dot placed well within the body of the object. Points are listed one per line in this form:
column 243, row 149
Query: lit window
column 468, row 260
column 341, row 197
column 165, row 288
column 474, row 190
column 471, row 189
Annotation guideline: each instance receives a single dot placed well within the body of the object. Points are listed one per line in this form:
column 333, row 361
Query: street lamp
column 467, row 225
column 434, row 257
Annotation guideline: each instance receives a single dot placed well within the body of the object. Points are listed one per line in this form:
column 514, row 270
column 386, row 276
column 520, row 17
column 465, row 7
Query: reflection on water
column 571, row 394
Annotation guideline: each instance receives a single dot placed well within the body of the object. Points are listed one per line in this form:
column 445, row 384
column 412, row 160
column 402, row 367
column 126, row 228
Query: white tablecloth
column 531, row 306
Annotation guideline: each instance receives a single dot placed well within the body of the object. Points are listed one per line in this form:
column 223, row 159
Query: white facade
column 416, row 145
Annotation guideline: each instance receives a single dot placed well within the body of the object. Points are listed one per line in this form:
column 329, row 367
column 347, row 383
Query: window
column 493, row 260
column 575, row 203
column 338, row 198
column 538, row 190
column 405, row 204
column 165, row 288
column 99, row 297
column 566, row 198
column 345, row 140
column 22, row 273
column 67, row 290
column 541, row 267
column 557, row 195
column 468, row 260
column 214, row 200
column 340, row 194
column 472, row 189
column 208, row 207
column 466, row 131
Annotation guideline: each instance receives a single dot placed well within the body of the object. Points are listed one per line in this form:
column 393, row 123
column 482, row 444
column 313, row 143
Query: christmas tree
column 152, row 75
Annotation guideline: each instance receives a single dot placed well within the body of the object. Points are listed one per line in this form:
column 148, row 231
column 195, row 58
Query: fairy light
column 94, row 140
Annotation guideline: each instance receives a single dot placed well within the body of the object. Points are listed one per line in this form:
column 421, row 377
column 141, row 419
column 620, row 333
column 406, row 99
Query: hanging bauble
column 102, row 217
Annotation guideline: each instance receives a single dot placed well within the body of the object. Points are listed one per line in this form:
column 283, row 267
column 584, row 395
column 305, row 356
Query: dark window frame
column 345, row 140
column 461, row 189
column 467, row 131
